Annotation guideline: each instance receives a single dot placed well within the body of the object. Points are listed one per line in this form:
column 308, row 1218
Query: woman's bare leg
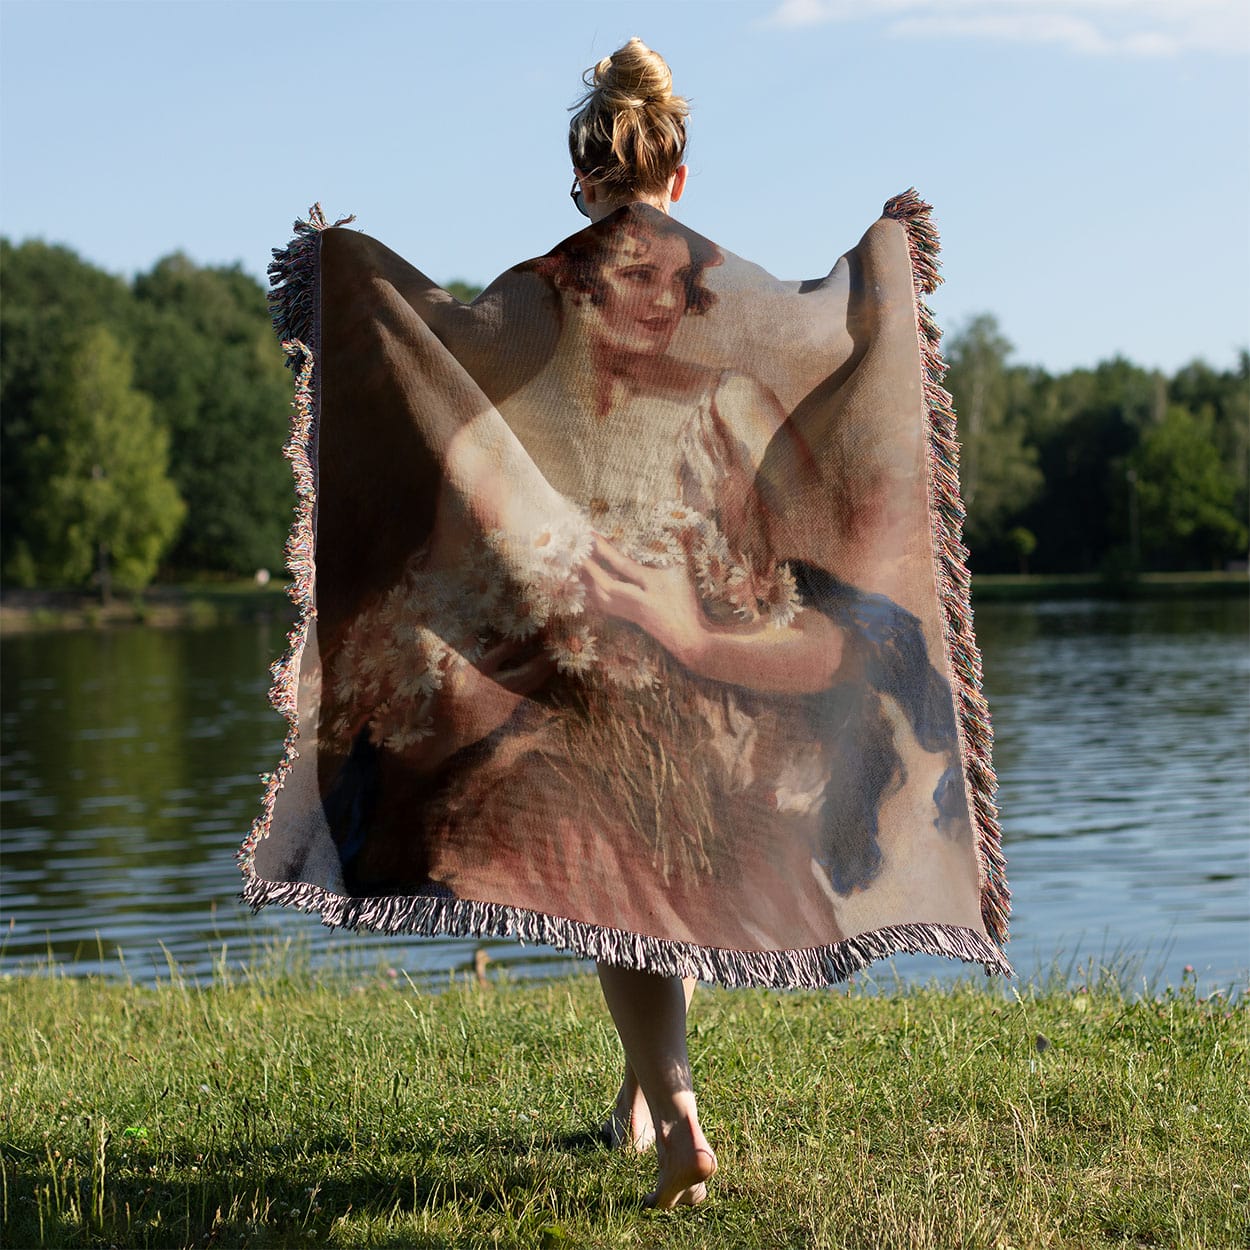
column 650, row 1015
column 629, row 1125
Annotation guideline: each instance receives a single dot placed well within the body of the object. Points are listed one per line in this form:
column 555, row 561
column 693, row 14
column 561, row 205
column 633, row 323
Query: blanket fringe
column 946, row 512
column 295, row 297
column 810, row 968
column 294, row 302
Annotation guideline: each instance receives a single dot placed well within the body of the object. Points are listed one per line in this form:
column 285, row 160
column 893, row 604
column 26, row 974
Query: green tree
column 1086, row 423
column 997, row 467
column 208, row 357
column 1024, row 543
column 107, row 507
column 1186, row 495
column 1222, row 397
column 51, row 299
column 465, row 292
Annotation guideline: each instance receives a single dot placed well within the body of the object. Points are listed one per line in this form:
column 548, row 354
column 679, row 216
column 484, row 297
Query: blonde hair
column 629, row 132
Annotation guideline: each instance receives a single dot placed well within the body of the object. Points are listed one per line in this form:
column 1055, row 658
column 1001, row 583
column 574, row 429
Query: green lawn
column 298, row 1110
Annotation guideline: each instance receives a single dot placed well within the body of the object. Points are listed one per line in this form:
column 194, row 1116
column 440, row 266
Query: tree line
column 143, row 422
column 1113, row 470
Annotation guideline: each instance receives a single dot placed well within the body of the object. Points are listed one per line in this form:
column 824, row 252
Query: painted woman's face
column 644, row 283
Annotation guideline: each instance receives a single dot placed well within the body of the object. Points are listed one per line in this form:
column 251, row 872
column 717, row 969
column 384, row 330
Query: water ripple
column 131, row 764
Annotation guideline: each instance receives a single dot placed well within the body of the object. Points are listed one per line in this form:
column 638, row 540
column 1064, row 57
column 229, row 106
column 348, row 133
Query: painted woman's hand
column 478, row 697
column 661, row 601
column 520, row 668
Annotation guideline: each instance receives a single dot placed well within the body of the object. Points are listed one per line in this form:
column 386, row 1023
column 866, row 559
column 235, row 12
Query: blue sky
column 1089, row 160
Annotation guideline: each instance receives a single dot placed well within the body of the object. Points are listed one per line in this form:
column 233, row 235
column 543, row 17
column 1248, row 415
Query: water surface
column 131, row 759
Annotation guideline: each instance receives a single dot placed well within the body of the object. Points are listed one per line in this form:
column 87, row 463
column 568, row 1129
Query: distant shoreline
column 177, row 605
column 1000, row 587
column 196, row 604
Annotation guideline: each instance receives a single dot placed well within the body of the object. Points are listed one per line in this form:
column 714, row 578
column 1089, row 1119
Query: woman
column 625, row 309
column 627, row 143
column 630, row 679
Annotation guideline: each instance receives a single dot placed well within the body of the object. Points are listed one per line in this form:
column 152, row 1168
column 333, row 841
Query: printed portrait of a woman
column 605, row 662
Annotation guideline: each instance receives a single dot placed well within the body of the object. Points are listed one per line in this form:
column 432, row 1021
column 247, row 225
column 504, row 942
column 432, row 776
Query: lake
column 131, row 760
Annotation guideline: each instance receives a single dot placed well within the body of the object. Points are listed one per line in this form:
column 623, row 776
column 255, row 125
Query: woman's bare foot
column 649, row 1012
column 686, row 1165
column 629, row 1125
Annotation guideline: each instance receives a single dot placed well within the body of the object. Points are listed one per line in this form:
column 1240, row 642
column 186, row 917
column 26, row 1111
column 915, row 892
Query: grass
column 298, row 1109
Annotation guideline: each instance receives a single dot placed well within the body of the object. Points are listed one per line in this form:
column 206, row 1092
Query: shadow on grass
column 263, row 1198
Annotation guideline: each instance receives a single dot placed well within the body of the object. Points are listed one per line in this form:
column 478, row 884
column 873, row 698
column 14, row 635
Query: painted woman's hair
column 629, row 131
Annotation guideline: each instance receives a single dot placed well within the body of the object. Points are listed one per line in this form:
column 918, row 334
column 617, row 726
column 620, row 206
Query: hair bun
column 629, row 132
column 633, row 77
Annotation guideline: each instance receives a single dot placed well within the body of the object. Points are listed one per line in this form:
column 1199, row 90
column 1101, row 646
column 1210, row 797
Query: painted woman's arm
column 803, row 656
column 798, row 658
column 767, row 466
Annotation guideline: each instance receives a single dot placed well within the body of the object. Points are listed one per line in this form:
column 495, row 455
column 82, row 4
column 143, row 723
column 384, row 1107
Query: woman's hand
column 661, row 601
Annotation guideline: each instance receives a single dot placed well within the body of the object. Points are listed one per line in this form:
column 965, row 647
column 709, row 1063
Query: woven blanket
column 634, row 617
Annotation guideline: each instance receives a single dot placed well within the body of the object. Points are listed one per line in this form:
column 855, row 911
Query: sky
column 1088, row 160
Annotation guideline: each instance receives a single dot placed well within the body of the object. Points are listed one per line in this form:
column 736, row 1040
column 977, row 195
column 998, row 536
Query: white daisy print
column 713, row 564
column 658, row 547
column 632, row 672
column 524, row 617
column 740, row 592
column 779, row 597
column 673, row 514
column 573, row 652
column 566, row 597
